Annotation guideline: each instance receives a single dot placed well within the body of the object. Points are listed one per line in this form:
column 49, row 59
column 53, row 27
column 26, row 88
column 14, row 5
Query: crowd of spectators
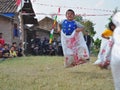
column 43, row 47
column 10, row 51
column 37, row 47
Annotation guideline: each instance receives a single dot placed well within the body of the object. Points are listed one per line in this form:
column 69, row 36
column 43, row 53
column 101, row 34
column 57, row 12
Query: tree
column 89, row 26
column 97, row 43
column 96, row 47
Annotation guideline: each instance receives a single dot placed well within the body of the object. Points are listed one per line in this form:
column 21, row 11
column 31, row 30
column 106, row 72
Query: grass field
column 48, row 73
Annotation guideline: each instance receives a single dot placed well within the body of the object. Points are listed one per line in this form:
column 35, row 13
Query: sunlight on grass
column 48, row 73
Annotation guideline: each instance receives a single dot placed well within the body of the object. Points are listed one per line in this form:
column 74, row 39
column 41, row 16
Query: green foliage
column 89, row 26
column 79, row 18
column 96, row 47
column 97, row 43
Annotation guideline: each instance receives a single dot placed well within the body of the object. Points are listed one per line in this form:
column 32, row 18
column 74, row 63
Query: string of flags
column 84, row 8
column 84, row 14
column 20, row 4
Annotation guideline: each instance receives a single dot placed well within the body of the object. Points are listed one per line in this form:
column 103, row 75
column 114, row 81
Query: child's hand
column 79, row 29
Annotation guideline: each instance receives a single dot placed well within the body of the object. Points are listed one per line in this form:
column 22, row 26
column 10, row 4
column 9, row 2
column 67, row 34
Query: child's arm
column 58, row 28
column 103, row 36
column 79, row 29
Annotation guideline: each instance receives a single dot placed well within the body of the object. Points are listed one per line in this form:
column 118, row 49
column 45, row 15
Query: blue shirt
column 69, row 26
column 16, row 32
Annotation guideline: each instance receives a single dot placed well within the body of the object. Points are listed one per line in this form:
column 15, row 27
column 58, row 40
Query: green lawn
column 48, row 73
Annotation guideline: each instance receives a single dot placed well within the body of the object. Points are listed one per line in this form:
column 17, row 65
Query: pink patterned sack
column 74, row 48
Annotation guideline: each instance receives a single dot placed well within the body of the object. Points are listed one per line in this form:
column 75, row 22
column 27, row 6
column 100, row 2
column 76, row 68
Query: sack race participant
column 104, row 55
column 115, row 55
column 74, row 46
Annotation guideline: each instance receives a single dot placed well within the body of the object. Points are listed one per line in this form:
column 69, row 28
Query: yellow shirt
column 107, row 33
column 13, row 53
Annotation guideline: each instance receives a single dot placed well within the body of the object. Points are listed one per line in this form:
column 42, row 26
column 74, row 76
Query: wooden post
column 22, row 32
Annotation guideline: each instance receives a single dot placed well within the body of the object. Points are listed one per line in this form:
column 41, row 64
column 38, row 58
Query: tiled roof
column 46, row 24
column 8, row 6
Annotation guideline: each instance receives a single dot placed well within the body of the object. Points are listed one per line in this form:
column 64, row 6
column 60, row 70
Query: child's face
column 15, row 45
column 6, row 46
column 12, row 48
column 70, row 15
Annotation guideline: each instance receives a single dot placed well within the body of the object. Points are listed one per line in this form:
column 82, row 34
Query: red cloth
column 18, row 2
column 2, row 41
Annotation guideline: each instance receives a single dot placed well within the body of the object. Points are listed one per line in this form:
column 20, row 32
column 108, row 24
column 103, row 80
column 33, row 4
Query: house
column 9, row 16
column 44, row 27
column 42, row 30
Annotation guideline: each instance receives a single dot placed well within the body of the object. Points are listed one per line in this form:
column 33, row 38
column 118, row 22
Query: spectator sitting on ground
column 20, row 50
column 5, row 53
column 1, row 49
column 12, row 52
column 14, row 44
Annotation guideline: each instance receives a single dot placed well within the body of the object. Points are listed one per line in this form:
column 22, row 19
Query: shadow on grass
column 91, row 75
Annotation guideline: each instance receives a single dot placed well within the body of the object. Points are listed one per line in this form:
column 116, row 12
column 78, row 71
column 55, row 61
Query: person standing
column 87, row 39
column 16, row 31
column 74, row 47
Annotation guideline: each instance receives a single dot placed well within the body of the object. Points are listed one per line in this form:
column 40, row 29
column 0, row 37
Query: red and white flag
column 20, row 4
